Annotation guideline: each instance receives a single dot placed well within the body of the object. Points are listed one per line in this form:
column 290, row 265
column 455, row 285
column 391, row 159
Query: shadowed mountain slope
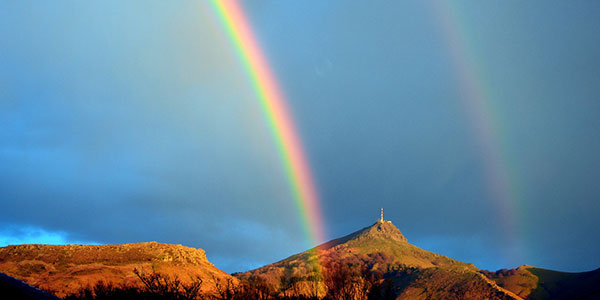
column 536, row 283
column 380, row 249
column 67, row 268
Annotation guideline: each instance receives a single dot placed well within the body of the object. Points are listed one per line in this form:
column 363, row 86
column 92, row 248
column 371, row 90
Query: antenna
column 382, row 214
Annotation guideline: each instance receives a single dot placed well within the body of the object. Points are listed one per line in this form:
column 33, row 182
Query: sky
column 475, row 125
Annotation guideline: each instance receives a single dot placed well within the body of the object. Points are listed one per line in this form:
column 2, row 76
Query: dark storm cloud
column 135, row 122
column 149, row 133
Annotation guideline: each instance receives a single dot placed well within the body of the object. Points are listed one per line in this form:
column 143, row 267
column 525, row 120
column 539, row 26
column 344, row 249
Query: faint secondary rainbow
column 280, row 121
column 478, row 101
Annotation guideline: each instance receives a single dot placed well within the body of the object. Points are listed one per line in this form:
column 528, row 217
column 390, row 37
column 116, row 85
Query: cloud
column 17, row 235
column 130, row 122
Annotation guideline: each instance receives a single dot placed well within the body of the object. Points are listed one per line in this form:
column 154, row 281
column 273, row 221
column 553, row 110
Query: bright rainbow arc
column 280, row 120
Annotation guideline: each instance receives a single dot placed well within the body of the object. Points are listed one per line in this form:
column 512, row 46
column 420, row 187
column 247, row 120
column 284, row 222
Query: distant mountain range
column 375, row 259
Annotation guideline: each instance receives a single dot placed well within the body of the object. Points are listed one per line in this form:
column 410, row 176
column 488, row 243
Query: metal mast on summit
column 381, row 214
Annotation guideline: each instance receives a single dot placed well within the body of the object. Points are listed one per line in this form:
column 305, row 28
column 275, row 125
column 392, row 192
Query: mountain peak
column 382, row 229
column 385, row 229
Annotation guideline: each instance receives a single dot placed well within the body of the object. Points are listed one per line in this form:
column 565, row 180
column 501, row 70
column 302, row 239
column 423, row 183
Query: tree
column 167, row 287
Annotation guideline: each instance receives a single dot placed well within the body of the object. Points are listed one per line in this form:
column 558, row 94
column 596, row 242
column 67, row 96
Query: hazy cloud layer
column 129, row 122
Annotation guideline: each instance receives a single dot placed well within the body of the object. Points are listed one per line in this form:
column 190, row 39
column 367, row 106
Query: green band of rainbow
column 276, row 111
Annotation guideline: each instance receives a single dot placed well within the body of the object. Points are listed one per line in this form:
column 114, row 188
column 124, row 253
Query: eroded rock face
column 64, row 269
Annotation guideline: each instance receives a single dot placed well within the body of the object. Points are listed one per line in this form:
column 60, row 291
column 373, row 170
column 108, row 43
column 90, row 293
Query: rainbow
column 478, row 100
column 274, row 107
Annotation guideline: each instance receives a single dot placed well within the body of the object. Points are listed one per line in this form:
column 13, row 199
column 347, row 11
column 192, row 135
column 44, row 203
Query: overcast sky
column 131, row 121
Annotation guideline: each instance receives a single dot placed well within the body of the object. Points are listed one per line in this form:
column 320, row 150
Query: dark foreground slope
column 535, row 284
column 15, row 289
column 382, row 253
column 66, row 269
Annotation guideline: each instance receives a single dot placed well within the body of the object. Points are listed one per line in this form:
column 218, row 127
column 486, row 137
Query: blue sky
column 134, row 121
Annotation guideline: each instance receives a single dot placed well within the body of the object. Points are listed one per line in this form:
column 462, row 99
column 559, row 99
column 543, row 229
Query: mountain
column 67, row 268
column 404, row 270
column 536, row 283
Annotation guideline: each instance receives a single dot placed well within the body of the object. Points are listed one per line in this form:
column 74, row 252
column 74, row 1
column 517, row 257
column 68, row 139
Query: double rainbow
column 281, row 123
column 477, row 100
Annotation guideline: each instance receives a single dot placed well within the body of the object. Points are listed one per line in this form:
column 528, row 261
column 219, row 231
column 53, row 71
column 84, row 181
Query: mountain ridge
column 377, row 258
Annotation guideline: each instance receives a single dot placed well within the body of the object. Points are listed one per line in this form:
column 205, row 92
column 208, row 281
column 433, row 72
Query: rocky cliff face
column 59, row 255
column 67, row 268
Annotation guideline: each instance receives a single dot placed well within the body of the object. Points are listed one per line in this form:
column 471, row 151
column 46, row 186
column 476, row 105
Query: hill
column 380, row 258
column 65, row 269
